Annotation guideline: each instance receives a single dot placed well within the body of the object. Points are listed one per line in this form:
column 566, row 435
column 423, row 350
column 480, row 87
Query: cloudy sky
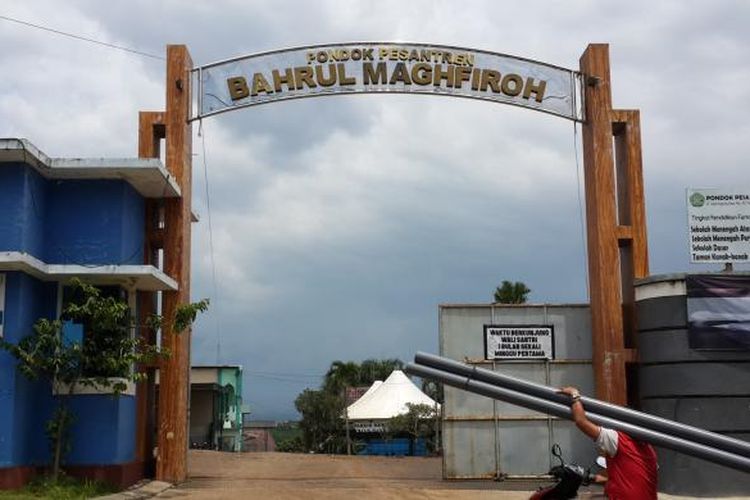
column 340, row 224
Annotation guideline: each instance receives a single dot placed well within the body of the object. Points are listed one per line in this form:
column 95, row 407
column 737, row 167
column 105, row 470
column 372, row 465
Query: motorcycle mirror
column 557, row 452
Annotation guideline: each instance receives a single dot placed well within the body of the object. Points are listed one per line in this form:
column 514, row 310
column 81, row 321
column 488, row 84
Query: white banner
column 385, row 67
column 508, row 342
column 719, row 225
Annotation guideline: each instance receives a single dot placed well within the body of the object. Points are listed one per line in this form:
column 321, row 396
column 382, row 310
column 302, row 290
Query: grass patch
column 66, row 488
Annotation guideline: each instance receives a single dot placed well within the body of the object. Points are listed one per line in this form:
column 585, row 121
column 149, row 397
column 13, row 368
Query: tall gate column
column 174, row 372
column 616, row 226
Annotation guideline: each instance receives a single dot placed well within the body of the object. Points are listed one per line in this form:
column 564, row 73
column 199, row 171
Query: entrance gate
column 615, row 212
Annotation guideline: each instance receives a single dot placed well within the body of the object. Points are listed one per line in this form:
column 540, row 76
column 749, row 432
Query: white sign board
column 386, row 67
column 719, row 225
column 509, row 342
column 2, row 304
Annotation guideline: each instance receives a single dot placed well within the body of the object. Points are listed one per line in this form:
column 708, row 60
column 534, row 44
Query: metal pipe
column 641, row 419
column 721, row 457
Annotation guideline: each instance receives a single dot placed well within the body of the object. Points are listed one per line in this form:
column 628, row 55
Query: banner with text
column 386, row 67
column 509, row 342
column 718, row 308
column 719, row 225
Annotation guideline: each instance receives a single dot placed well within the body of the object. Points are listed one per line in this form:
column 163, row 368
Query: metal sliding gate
column 486, row 438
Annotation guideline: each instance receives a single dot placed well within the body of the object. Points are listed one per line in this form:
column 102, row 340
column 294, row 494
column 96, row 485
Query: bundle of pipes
column 682, row 438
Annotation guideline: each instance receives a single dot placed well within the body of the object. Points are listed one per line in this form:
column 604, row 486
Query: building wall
column 709, row 389
column 202, row 375
column 484, row 438
column 61, row 222
column 23, row 205
column 70, row 222
column 233, row 377
column 103, row 432
column 30, row 404
column 26, row 404
column 94, row 222
column 232, row 436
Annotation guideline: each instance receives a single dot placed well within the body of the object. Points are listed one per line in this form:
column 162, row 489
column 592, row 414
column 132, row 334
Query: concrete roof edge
column 143, row 277
column 21, row 150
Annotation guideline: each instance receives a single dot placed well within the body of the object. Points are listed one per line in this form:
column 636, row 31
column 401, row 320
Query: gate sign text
column 508, row 342
column 719, row 225
column 385, row 68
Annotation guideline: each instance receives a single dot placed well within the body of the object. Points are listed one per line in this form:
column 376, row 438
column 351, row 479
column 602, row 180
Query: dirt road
column 282, row 476
column 310, row 477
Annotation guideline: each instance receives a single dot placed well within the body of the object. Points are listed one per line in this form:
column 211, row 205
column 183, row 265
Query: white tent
column 388, row 399
column 362, row 399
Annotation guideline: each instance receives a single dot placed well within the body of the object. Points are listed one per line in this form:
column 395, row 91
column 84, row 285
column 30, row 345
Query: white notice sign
column 719, row 225
column 519, row 342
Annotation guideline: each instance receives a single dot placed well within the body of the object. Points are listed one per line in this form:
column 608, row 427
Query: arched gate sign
column 357, row 68
column 615, row 212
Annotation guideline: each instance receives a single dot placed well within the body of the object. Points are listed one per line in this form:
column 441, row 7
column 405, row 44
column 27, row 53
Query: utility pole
column 346, row 422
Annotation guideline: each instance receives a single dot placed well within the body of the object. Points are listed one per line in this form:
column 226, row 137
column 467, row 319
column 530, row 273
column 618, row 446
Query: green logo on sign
column 697, row 199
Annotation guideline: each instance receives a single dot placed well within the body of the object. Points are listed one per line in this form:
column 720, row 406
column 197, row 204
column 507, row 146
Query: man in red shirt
column 631, row 464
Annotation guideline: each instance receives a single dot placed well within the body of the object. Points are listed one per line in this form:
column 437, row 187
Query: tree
column 417, row 422
column 371, row 370
column 343, row 374
column 511, row 293
column 106, row 358
column 340, row 376
column 321, row 424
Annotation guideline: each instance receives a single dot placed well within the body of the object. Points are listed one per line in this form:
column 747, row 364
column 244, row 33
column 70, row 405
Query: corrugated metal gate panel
column 468, row 453
column 524, row 447
column 576, row 446
column 482, row 437
column 460, row 325
column 465, row 404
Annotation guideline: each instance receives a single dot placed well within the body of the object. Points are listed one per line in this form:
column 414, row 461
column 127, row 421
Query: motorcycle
column 569, row 477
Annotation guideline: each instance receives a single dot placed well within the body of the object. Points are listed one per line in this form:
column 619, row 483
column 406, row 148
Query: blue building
column 59, row 219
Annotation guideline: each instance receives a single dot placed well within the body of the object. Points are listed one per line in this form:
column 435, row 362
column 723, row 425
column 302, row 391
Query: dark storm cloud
column 339, row 224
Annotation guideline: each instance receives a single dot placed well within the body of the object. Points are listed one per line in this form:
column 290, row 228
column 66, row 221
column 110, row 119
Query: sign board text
column 508, row 342
column 719, row 225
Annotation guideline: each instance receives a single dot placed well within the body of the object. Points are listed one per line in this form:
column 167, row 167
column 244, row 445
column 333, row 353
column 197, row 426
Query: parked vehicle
column 569, row 477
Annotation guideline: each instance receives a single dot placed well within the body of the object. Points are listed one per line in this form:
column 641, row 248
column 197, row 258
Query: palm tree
column 341, row 375
column 511, row 293
column 377, row 369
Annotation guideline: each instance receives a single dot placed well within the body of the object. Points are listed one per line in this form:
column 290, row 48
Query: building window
column 103, row 344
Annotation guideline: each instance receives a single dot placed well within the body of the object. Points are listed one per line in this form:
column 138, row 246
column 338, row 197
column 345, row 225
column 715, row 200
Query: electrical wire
column 580, row 211
column 290, row 380
column 82, row 38
column 202, row 135
column 286, row 374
